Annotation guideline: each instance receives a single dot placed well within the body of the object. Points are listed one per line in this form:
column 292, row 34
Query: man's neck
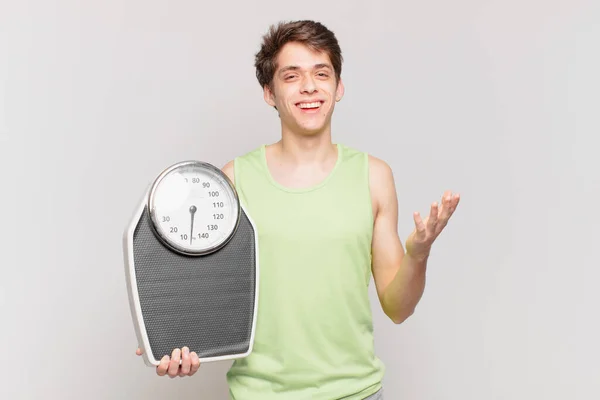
column 295, row 149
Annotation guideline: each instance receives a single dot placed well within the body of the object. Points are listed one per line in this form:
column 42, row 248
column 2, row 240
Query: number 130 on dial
column 194, row 207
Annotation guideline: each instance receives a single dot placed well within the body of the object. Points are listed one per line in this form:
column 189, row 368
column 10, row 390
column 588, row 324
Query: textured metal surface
column 205, row 303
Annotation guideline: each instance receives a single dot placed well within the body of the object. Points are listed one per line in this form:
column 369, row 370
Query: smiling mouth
column 315, row 105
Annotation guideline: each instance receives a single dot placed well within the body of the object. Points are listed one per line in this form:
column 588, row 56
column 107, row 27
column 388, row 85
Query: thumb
column 139, row 351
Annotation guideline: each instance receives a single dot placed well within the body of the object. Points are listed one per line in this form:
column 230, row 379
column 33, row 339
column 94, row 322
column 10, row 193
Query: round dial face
column 194, row 207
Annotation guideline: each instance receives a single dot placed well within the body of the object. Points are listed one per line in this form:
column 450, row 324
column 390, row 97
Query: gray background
column 497, row 100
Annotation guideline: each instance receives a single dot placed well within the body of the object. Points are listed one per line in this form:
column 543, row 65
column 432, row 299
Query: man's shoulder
column 378, row 166
column 381, row 180
column 380, row 172
column 254, row 154
column 229, row 171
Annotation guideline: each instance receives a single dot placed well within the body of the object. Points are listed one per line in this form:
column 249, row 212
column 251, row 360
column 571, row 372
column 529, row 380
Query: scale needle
column 192, row 213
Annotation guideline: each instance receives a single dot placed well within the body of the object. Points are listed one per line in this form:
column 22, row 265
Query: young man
column 327, row 218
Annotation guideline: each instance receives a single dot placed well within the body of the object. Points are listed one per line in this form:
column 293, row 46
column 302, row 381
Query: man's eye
column 323, row 74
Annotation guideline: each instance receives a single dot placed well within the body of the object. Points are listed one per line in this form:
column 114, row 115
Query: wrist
column 418, row 257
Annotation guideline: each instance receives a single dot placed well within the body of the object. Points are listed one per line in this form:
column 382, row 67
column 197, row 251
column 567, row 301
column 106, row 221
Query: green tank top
column 314, row 331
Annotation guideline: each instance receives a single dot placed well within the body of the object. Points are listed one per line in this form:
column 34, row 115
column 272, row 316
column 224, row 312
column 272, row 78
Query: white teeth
column 310, row 105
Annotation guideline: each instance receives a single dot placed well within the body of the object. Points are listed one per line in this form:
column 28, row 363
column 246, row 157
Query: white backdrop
column 497, row 100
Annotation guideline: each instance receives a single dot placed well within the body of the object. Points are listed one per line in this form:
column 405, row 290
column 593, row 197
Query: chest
column 313, row 218
column 299, row 178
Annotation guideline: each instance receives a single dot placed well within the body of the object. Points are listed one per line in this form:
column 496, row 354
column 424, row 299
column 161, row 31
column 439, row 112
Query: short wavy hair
column 312, row 34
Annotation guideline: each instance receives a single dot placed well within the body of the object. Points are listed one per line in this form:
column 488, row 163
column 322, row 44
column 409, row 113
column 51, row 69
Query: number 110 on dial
column 194, row 208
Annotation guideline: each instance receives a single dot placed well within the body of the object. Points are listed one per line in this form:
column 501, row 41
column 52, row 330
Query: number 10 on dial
column 194, row 207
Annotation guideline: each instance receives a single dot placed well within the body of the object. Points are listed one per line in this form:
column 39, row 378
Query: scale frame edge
column 133, row 296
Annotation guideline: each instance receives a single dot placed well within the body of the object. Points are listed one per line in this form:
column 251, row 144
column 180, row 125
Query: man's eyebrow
column 295, row 67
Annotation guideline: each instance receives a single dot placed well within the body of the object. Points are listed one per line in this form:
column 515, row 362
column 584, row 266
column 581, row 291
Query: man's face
column 304, row 89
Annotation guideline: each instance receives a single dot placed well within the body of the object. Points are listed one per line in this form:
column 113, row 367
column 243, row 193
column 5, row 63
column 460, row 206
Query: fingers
column 173, row 370
column 452, row 200
column 445, row 211
column 420, row 226
column 438, row 216
column 163, row 367
column 181, row 363
column 432, row 220
column 449, row 203
column 185, row 362
column 195, row 363
column 138, row 351
column 455, row 201
column 433, row 217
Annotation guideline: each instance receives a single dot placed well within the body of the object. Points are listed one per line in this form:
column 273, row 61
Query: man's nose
column 308, row 85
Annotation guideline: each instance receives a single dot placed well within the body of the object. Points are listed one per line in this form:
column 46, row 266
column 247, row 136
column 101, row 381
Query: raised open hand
column 418, row 244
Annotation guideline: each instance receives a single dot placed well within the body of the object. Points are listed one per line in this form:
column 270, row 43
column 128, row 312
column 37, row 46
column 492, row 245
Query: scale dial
column 194, row 208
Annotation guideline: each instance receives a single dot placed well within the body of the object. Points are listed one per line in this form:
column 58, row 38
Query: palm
column 418, row 243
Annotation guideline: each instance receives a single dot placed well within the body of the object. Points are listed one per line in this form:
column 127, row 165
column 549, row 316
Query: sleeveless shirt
column 314, row 333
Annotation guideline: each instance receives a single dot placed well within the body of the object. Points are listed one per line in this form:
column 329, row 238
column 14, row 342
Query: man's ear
column 340, row 90
column 269, row 96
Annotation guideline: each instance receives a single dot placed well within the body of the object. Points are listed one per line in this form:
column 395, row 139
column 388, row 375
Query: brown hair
column 312, row 34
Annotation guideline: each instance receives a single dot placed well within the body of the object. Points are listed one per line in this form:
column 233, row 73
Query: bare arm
column 399, row 278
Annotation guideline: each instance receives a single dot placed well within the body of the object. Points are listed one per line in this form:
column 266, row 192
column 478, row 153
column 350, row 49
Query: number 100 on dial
column 194, row 207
